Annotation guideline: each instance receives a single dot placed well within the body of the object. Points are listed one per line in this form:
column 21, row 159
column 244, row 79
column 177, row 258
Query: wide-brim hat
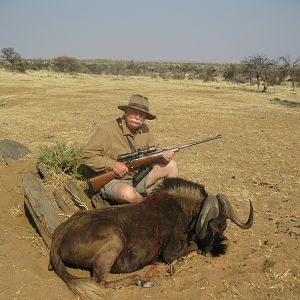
column 139, row 102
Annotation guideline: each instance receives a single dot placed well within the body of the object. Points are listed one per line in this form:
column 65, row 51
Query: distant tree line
column 258, row 69
column 264, row 71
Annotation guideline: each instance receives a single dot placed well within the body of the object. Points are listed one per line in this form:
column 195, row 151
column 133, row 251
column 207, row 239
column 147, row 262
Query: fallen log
column 42, row 171
column 78, row 196
column 39, row 206
column 61, row 203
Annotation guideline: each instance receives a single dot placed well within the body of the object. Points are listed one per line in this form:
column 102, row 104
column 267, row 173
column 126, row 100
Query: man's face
column 134, row 118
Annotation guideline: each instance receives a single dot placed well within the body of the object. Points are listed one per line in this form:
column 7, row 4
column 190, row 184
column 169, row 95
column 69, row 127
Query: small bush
column 178, row 75
column 21, row 65
column 61, row 158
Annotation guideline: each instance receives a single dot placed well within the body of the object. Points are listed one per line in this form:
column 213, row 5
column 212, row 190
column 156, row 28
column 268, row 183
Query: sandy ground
column 258, row 159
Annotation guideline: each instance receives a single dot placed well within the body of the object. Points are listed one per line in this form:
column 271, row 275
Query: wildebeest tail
column 86, row 289
column 83, row 287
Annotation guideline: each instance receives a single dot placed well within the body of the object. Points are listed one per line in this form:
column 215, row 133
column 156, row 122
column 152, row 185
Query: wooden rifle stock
column 99, row 181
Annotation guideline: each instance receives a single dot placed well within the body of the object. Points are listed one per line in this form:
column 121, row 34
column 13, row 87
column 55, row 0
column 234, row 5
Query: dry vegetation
column 257, row 159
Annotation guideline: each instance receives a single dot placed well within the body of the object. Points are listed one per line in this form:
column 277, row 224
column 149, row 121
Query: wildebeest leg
column 105, row 258
column 175, row 249
column 192, row 247
column 130, row 280
column 171, row 267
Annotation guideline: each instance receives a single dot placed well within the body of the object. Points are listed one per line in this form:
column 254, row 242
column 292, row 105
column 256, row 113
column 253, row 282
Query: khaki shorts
column 106, row 190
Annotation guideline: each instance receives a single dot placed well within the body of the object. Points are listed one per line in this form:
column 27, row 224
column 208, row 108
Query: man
column 124, row 135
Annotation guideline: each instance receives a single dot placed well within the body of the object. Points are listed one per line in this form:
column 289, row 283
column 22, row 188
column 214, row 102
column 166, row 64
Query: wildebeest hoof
column 148, row 284
column 171, row 267
column 145, row 283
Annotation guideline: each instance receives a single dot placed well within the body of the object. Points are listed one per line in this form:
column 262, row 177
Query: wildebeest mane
column 183, row 188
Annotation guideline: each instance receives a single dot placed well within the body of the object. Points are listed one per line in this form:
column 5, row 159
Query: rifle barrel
column 200, row 142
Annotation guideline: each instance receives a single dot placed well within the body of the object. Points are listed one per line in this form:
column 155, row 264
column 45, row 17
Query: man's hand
column 168, row 155
column 120, row 168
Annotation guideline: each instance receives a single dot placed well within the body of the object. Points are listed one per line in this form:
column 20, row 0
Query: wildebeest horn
column 227, row 210
column 209, row 210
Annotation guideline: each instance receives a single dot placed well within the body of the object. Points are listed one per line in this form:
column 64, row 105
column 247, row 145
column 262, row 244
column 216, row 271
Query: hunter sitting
column 126, row 134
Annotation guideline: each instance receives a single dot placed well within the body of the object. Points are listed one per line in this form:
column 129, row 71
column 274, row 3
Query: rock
column 11, row 150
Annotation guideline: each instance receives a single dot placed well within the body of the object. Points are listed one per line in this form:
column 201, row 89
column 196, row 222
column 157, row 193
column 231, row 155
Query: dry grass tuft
column 279, row 281
column 15, row 211
column 77, row 201
column 57, row 179
column 232, row 289
column 35, row 238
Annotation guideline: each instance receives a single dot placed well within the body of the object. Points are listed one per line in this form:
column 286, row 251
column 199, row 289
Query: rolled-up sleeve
column 94, row 154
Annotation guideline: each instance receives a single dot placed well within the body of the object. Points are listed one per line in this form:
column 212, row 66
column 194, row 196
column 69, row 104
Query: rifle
column 141, row 158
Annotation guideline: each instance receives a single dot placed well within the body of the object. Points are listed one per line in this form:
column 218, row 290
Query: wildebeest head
column 208, row 224
column 211, row 222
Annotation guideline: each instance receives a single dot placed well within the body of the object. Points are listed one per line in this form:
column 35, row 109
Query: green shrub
column 61, row 157
column 21, row 65
column 178, row 75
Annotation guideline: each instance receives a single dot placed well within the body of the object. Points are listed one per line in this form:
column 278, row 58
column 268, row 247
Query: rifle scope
column 137, row 154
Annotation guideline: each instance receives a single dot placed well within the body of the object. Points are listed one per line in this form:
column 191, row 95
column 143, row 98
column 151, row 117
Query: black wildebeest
column 125, row 238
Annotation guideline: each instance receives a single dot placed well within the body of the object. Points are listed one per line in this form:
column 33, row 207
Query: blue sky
column 154, row 30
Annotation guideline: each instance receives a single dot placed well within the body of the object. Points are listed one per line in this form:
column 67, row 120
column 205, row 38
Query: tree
column 133, row 68
column 92, row 68
column 208, row 74
column 253, row 65
column 10, row 55
column 290, row 67
column 269, row 73
column 66, row 64
column 297, row 75
column 230, row 72
column 265, row 70
column 39, row 64
column 117, row 67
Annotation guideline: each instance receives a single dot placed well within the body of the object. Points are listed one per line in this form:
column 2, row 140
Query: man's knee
column 126, row 194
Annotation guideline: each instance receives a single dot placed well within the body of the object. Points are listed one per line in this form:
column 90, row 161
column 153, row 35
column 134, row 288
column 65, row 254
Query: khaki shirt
column 109, row 141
